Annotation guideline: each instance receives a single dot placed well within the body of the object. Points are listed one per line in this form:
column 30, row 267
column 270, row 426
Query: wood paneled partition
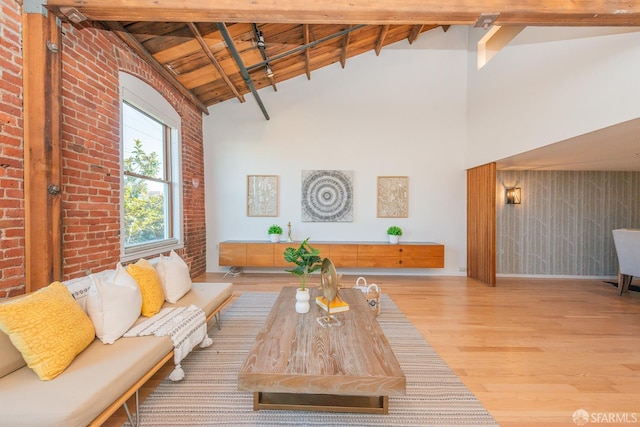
column 481, row 223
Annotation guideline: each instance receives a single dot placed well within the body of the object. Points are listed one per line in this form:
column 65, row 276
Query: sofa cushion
column 174, row 276
column 207, row 296
column 113, row 304
column 10, row 358
column 48, row 327
column 150, row 286
column 97, row 377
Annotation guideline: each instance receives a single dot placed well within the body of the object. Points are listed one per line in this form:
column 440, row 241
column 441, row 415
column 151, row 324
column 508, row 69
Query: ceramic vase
column 275, row 238
column 302, row 301
column 393, row 239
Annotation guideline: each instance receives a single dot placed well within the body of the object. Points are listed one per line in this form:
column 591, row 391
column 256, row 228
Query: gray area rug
column 208, row 395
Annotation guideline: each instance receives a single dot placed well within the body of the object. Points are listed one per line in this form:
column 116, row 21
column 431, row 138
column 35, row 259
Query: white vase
column 275, row 238
column 302, row 301
column 393, row 239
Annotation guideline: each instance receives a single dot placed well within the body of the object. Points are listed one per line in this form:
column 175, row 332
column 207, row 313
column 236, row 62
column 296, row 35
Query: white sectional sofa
column 101, row 377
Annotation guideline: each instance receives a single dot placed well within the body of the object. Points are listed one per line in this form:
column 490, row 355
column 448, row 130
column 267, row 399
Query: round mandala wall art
column 327, row 196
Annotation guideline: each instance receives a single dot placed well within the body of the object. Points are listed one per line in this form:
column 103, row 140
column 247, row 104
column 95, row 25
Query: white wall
column 541, row 89
column 402, row 113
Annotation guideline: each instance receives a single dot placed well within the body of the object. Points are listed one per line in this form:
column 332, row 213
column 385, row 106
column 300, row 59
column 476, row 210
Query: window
column 151, row 205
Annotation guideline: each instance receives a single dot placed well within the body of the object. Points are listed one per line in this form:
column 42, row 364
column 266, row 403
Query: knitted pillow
column 48, row 327
column 150, row 286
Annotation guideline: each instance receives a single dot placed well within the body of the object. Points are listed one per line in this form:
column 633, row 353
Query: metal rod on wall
column 243, row 70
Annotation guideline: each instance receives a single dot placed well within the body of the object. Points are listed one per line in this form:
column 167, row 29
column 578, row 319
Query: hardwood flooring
column 533, row 351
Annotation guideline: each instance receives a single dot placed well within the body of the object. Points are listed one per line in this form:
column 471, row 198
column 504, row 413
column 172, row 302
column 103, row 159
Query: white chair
column 627, row 244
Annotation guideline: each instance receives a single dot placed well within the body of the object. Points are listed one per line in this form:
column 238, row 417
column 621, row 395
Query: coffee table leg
column 256, row 400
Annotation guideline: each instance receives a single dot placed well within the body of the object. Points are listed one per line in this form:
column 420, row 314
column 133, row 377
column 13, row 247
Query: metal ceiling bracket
column 486, row 20
column 243, row 70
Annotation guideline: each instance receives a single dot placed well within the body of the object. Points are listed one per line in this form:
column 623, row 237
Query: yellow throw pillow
column 150, row 286
column 48, row 327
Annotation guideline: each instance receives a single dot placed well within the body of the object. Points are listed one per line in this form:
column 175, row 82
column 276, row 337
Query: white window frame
column 145, row 98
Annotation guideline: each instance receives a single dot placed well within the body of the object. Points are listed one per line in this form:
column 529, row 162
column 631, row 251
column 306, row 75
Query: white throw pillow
column 174, row 275
column 79, row 287
column 113, row 304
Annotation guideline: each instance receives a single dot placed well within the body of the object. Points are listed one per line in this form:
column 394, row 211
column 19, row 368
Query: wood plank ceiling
column 216, row 51
column 196, row 54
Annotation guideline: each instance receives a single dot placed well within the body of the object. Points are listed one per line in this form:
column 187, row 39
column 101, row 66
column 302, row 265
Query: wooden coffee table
column 297, row 364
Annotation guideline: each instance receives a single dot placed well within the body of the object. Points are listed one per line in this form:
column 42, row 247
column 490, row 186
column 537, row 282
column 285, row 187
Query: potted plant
column 307, row 260
column 275, row 231
column 394, row 233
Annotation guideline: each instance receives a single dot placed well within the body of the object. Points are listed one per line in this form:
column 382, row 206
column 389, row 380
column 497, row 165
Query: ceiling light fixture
column 269, row 71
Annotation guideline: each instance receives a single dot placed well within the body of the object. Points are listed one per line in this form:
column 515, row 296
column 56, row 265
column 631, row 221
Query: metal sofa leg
column 218, row 320
column 137, row 413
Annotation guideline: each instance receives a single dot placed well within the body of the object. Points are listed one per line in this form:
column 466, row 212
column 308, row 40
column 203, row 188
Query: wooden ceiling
column 196, row 55
column 212, row 51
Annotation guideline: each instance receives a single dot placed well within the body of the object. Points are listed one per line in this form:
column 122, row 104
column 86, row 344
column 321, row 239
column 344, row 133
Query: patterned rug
column 208, row 395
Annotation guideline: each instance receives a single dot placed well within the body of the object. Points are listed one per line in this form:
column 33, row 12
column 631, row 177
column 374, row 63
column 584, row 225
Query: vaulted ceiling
column 255, row 55
column 213, row 51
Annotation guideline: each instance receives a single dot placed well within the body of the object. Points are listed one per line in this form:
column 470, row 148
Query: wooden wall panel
column 481, row 223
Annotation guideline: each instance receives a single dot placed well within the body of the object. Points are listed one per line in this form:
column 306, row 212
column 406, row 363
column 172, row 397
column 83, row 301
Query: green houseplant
column 275, row 231
column 306, row 259
column 394, row 232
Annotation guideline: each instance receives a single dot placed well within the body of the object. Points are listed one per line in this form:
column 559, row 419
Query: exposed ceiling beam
column 307, row 46
column 463, row 12
column 214, row 61
column 345, row 47
column 243, row 70
column 137, row 47
column 383, row 33
column 307, row 57
column 493, row 42
column 415, row 32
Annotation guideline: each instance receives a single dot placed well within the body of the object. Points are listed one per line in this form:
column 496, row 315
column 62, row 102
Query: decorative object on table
column 307, row 261
column 371, row 293
column 275, row 231
column 262, row 195
column 393, row 197
column 329, row 299
column 289, row 238
column 394, row 233
column 327, row 196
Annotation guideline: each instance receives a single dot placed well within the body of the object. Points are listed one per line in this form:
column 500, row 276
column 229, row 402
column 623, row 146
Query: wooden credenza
column 241, row 253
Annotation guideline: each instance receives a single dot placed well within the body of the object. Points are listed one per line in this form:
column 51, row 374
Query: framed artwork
column 262, row 195
column 393, row 197
column 327, row 196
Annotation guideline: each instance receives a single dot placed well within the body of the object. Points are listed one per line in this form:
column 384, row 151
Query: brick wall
column 91, row 59
column 12, row 237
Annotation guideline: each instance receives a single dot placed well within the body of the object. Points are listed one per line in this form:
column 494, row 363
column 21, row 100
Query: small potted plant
column 275, row 231
column 307, row 260
column 394, row 233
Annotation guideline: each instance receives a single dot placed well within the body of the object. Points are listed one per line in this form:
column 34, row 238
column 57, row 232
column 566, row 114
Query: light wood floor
column 532, row 350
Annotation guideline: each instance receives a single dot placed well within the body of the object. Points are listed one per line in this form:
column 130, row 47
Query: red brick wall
column 91, row 59
column 12, row 237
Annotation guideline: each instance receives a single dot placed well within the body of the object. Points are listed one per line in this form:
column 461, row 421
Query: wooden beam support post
column 41, row 37
column 493, row 42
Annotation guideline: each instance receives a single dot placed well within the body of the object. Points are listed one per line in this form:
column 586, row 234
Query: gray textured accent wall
column 563, row 225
